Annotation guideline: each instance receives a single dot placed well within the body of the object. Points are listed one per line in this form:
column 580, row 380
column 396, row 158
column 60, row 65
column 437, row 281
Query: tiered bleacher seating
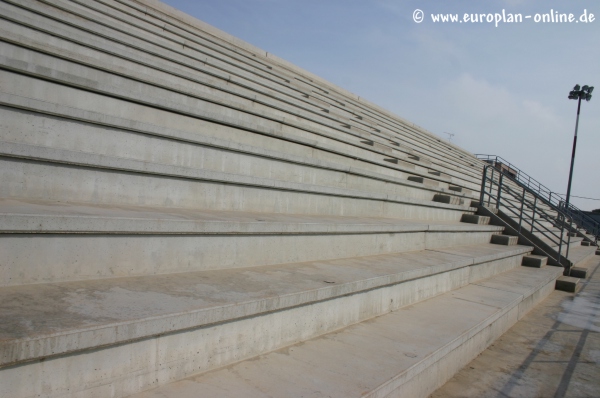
column 176, row 203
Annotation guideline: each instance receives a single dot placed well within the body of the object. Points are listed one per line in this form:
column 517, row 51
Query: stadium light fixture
column 578, row 93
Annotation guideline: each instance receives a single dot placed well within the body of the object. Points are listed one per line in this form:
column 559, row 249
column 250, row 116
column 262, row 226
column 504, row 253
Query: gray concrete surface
column 215, row 296
column 553, row 352
column 535, row 261
column 504, row 240
column 46, row 241
column 67, row 5
column 177, row 325
column 406, row 353
column 173, row 201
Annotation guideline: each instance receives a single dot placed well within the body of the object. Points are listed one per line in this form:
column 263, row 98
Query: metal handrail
column 501, row 190
column 580, row 219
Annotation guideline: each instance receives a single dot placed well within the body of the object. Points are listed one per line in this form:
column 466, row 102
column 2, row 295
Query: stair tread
column 49, row 319
column 127, row 164
column 39, row 216
column 578, row 254
column 550, row 236
column 373, row 356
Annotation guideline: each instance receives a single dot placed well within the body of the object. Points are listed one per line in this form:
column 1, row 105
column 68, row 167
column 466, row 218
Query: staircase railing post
column 521, row 213
column 491, row 187
column 499, row 190
column 482, row 193
column 569, row 239
column 562, row 232
column 533, row 213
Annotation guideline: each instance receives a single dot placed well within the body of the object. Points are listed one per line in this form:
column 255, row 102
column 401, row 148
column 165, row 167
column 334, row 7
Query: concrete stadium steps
column 19, row 93
column 171, row 78
column 107, row 180
column 174, row 201
column 160, row 32
column 181, row 130
column 178, row 148
column 579, row 254
column 410, row 352
column 426, row 143
column 57, row 241
column 119, row 336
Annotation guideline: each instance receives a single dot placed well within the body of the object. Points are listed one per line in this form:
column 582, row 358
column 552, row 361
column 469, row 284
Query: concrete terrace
column 183, row 214
column 551, row 352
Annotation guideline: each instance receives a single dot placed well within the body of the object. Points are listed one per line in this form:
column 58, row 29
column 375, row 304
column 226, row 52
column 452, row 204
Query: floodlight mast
column 578, row 93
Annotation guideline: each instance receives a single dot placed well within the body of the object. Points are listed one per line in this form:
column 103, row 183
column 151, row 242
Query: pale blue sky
column 501, row 90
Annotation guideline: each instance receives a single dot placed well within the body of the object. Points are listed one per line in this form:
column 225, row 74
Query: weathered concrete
column 535, row 261
column 475, row 219
column 56, row 241
column 384, row 357
column 174, row 200
column 567, row 284
column 551, row 352
column 67, row 5
column 107, row 312
column 449, row 199
column 504, row 240
column 578, row 272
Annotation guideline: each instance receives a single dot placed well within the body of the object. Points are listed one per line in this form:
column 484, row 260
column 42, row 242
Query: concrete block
column 420, row 180
column 504, row 240
column 585, row 243
column 424, row 181
column 460, row 189
column 567, row 284
column 454, row 200
column 534, row 261
column 475, row 219
column 579, row 272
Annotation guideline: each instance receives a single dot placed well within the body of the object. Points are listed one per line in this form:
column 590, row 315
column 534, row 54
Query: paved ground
column 554, row 351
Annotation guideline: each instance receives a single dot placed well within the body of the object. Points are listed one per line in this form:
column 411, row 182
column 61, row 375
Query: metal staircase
column 531, row 211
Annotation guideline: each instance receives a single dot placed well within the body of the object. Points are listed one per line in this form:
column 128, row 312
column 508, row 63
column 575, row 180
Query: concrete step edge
column 67, row 157
column 17, row 350
column 415, row 377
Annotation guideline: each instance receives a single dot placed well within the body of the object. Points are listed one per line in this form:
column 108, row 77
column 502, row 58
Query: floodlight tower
column 578, row 93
